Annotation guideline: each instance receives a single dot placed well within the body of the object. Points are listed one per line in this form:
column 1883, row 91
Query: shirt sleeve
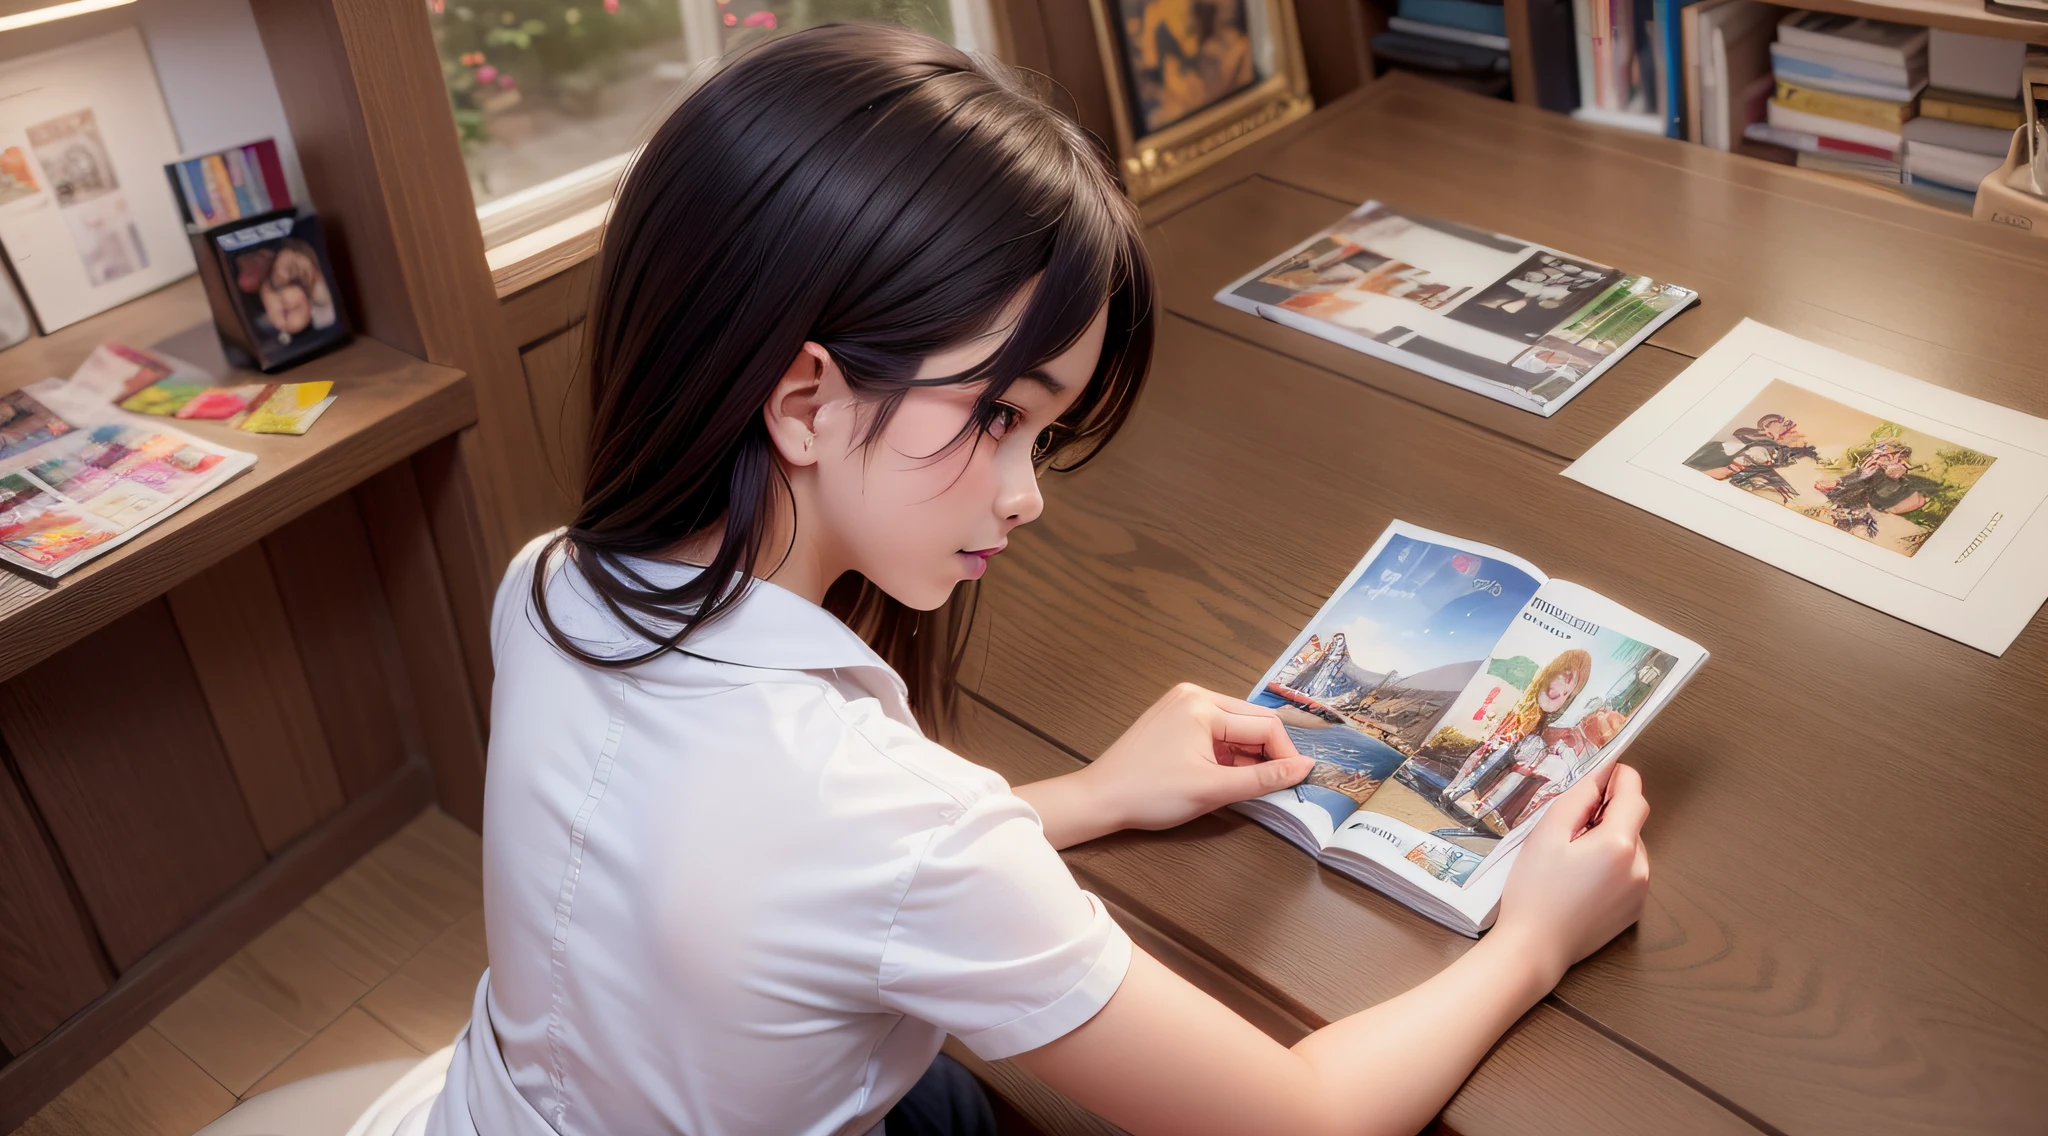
column 994, row 942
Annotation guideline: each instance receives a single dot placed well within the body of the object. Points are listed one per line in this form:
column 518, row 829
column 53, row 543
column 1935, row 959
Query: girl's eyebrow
column 1052, row 385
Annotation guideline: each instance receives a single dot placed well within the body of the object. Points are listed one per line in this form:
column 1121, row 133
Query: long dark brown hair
column 886, row 196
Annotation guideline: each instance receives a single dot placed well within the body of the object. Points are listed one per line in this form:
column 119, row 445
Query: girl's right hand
column 1582, row 875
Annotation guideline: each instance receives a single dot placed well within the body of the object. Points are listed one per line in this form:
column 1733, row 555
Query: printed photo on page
column 1376, row 669
column 1497, row 315
column 1553, row 694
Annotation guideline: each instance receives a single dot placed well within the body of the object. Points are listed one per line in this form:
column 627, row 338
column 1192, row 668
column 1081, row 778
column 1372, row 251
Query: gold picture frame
column 1162, row 136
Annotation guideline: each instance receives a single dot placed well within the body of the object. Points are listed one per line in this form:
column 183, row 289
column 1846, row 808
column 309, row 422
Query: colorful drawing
column 74, row 157
column 124, row 475
column 1883, row 482
column 16, row 179
column 1522, row 730
column 1183, row 56
column 41, row 527
column 26, row 423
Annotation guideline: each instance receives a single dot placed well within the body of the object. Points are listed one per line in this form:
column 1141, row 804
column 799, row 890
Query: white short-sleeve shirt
column 735, row 889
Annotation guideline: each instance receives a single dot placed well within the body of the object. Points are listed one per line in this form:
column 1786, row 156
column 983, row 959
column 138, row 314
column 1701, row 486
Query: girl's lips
column 976, row 562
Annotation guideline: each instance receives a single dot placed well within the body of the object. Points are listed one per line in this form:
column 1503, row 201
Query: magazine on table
column 1448, row 692
column 1496, row 315
column 79, row 477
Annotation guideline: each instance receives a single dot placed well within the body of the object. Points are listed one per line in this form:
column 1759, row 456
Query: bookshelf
column 1953, row 15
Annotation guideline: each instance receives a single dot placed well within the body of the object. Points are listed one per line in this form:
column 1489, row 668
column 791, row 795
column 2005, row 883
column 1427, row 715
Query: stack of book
column 1845, row 90
column 1461, row 42
column 1967, row 115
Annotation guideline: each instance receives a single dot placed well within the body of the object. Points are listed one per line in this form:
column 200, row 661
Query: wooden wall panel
column 558, row 388
column 403, row 546
column 328, row 580
column 240, row 641
column 50, row 965
column 114, row 743
column 451, row 512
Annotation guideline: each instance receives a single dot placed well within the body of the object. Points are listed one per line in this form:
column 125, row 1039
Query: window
column 550, row 96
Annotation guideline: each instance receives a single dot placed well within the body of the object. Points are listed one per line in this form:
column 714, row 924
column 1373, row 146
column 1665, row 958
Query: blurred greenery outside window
column 551, row 95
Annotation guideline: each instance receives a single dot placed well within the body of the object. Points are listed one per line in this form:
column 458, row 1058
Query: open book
column 1448, row 692
column 1496, row 315
column 79, row 477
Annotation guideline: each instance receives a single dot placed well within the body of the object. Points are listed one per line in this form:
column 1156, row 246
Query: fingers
column 1251, row 730
column 1573, row 809
column 1247, row 781
column 1626, row 807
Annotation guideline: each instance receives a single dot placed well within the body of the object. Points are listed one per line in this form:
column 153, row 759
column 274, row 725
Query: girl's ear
column 811, row 381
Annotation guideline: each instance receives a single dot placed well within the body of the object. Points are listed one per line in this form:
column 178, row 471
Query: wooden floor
column 380, row 963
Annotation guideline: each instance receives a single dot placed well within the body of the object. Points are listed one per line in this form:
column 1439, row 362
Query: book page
column 1497, row 315
column 78, row 478
column 1365, row 682
column 1558, row 696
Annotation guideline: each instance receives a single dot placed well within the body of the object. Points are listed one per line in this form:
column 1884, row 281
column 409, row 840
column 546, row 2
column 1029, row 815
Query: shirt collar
column 769, row 627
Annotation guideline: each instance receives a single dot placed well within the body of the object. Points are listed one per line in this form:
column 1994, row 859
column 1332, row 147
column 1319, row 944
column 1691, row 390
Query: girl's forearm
column 1072, row 808
column 1399, row 1062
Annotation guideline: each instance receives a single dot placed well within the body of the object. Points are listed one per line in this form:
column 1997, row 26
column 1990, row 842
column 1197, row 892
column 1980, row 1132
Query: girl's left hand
column 1193, row 751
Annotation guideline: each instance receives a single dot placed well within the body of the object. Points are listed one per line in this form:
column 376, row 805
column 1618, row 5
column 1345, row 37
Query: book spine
column 1487, row 19
column 273, row 174
column 258, row 191
column 1448, row 34
column 188, row 198
column 1835, row 45
column 1848, row 67
column 1582, row 42
column 1849, row 108
column 238, row 179
column 1819, row 78
column 1778, row 114
column 202, row 192
column 1970, row 115
column 218, row 186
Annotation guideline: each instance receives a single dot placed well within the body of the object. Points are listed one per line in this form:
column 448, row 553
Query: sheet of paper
column 1916, row 500
column 86, row 217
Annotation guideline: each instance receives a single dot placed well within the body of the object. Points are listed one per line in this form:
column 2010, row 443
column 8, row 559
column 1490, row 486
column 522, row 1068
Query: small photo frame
column 273, row 290
column 1191, row 81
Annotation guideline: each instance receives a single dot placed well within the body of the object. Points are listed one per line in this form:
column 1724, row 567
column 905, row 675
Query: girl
column 1546, row 696
column 856, row 292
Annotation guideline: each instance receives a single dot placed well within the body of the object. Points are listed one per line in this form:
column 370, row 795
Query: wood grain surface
column 389, row 406
column 341, row 625
column 1838, row 938
column 180, row 962
column 1317, row 947
column 428, row 639
column 49, row 963
column 115, row 745
column 233, row 623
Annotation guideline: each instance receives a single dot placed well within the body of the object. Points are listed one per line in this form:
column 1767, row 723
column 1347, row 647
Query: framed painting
column 1193, row 80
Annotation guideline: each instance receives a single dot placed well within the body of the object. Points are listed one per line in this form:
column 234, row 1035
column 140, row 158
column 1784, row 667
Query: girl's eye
column 1002, row 418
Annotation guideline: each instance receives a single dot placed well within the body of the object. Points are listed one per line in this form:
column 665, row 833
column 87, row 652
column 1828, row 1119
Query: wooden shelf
column 389, row 406
column 1952, row 15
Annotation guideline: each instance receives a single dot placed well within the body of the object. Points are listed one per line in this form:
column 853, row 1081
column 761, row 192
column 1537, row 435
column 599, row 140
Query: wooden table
column 1849, row 906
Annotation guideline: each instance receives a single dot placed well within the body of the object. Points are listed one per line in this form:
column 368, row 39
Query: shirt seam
column 964, row 799
column 558, row 946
